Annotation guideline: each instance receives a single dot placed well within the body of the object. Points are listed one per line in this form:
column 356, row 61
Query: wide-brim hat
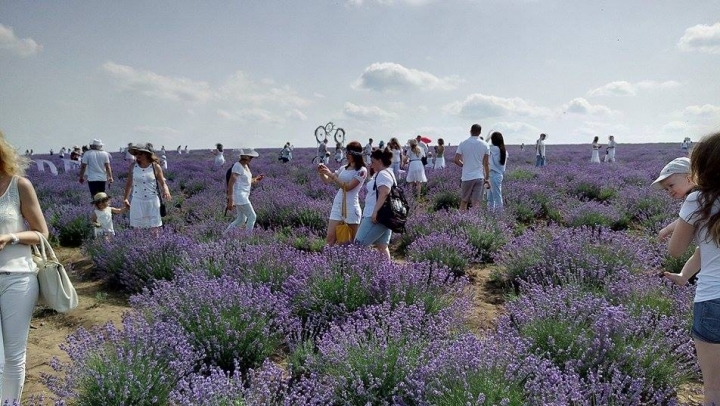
column 677, row 165
column 248, row 152
column 143, row 147
column 99, row 197
column 96, row 143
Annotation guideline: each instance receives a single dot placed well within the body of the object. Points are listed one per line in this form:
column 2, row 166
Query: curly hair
column 705, row 167
column 11, row 163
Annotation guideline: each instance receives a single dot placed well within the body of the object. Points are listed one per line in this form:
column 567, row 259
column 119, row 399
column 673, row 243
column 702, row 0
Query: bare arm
column 129, row 185
column 83, row 166
column 383, row 192
column 458, row 160
column 667, row 230
column 681, row 238
column 486, row 166
column 108, row 170
column 231, row 184
column 30, row 209
column 161, row 182
column 691, row 267
column 115, row 210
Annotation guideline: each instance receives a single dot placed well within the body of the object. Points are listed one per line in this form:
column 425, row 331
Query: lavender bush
column 138, row 365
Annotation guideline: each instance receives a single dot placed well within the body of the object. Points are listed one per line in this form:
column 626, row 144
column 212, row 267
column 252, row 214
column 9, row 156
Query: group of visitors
column 609, row 150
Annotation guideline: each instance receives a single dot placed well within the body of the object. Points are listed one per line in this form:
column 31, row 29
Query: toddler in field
column 102, row 215
column 675, row 179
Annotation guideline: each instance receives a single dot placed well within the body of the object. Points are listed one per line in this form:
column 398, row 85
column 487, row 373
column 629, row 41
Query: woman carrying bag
column 18, row 281
column 349, row 179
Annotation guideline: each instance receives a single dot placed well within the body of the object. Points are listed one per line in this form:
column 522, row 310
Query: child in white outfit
column 102, row 215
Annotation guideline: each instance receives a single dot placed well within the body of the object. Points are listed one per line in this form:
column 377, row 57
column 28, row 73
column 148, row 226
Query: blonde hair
column 11, row 163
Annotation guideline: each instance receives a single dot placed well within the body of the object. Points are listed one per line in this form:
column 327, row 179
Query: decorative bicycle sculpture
column 326, row 132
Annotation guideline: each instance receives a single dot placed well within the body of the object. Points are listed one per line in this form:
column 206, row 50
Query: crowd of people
column 694, row 180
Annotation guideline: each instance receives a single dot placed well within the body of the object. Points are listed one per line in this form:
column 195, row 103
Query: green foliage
column 492, row 384
column 446, row 200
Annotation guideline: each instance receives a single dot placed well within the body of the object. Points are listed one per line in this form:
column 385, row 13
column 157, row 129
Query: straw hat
column 99, row 197
column 248, row 152
column 142, row 147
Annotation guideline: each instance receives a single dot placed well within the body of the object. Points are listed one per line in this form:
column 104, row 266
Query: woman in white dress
column 595, row 151
column 394, row 146
column 239, row 185
column 440, row 154
column 350, row 177
column 219, row 160
column 146, row 182
column 416, row 169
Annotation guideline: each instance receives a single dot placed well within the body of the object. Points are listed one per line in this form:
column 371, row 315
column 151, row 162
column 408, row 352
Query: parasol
column 425, row 139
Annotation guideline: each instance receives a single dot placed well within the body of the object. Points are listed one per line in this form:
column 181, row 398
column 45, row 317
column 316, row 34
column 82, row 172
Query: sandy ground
column 97, row 307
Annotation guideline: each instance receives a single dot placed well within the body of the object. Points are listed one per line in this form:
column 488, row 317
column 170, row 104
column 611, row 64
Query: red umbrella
column 425, row 139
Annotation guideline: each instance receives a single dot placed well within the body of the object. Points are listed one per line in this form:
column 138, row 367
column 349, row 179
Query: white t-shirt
column 241, row 189
column 382, row 178
column 495, row 165
column 368, row 149
column 540, row 148
column 708, row 286
column 473, row 151
column 397, row 156
column 423, row 146
column 95, row 161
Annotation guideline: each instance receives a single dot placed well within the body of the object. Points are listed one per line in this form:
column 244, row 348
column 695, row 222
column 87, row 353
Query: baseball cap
column 677, row 165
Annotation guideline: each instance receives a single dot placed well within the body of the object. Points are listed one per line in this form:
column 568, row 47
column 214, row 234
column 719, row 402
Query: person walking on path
column 699, row 222
column 238, row 190
column 21, row 225
column 96, row 165
column 472, row 155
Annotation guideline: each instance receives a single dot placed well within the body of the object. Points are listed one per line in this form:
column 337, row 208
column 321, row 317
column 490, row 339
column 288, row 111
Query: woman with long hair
column 440, row 154
column 595, row 158
column 20, row 224
column 147, row 183
column 349, row 178
column 699, row 223
column 371, row 232
column 498, row 159
column 416, row 169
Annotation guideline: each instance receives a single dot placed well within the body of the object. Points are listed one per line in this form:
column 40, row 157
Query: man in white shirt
column 367, row 150
column 472, row 156
column 424, row 147
column 540, row 151
column 610, row 155
column 97, row 163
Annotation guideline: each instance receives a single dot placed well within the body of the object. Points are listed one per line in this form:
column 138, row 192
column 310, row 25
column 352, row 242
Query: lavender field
column 275, row 318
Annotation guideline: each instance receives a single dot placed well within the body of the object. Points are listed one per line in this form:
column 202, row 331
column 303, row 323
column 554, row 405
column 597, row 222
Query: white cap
column 677, row 165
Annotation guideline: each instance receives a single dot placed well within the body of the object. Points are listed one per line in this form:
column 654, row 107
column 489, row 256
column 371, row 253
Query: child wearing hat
column 102, row 215
column 675, row 179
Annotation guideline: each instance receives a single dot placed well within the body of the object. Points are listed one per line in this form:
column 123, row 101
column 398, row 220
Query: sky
column 259, row 73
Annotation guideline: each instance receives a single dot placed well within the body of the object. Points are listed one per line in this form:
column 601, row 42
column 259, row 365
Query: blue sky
column 259, row 73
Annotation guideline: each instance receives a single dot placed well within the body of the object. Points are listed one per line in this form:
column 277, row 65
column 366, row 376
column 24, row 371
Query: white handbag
column 56, row 290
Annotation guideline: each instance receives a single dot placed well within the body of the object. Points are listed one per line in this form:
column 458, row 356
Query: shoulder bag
column 163, row 208
column 56, row 290
column 395, row 209
column 343, row 233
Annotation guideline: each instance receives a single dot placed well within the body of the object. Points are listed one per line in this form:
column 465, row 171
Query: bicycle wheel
column 340, row 136
column 321, row 134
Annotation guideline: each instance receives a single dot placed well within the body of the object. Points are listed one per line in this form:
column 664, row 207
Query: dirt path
column 49, row 329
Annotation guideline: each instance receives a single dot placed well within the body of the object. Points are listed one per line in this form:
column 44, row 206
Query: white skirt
column 145, row 213
column 353, row 212
column 595, row 156
column 440, row 162
column 416, row 172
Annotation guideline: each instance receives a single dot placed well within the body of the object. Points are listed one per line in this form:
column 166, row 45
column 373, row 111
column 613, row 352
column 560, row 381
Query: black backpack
column 395, row 210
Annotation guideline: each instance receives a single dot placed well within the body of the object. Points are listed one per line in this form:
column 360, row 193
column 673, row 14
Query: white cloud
column 22, row 47
column 152, row 130
column 701, row 38
column 254, row 115
column 583, row 107
column 162, row 87
column 367, row 113
column 705, row 111
column 514, row 129
column 479, row 105
column 624, row 88
column 675, row 127
column 241, row 87
column 297, row 114
column 389, row 76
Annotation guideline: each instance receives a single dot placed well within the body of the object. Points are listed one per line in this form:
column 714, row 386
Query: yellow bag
column 343, row 233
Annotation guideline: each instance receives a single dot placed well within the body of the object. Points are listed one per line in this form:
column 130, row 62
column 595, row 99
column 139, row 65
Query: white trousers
column 244, row 213
column 18, row 296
